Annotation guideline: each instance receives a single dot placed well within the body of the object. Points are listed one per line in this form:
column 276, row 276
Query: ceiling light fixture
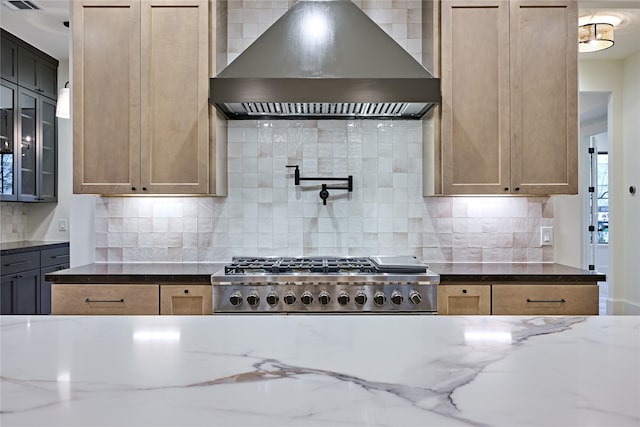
column 595, row 36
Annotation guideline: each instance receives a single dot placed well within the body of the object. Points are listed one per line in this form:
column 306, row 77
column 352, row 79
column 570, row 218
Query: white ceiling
column 626, row 34
column 44, row 28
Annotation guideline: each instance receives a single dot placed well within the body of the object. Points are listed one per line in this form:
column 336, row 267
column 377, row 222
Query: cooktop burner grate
column 282, row 265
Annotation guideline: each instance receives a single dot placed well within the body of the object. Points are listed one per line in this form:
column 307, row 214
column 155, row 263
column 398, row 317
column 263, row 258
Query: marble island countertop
column 201, row 273
column 320, row 371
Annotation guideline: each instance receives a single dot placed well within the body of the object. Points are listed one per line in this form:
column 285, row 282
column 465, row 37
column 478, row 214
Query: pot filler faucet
column 324, row 192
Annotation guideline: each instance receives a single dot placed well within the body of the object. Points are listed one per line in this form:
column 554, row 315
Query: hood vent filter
column 353, row 109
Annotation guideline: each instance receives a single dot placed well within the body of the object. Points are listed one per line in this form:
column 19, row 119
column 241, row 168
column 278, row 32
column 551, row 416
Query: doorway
column 594, row 144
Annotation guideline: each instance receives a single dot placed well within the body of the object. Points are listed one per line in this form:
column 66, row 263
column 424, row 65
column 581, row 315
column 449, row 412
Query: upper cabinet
column 140, row 103
column 28, row 124
column 37, row 73
column 509, row 97
column 9, row 60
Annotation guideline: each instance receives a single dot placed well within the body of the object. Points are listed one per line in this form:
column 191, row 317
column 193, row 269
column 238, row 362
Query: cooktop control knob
column 235, row 298
column 396, row 298
column 289, row 298
column 343, row 298
column 360, row 298
column 324, row 298
column 306, row 298
column 415, row 298
column 379, row 298
column 272, row 299
column 253, row 299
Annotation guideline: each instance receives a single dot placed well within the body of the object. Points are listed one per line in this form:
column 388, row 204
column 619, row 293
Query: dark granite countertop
column 138, row 273
column 151, row 273
column 513, row 272
column 29, row 245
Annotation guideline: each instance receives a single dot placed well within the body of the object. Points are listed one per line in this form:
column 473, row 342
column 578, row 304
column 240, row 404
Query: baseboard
column 623, row 307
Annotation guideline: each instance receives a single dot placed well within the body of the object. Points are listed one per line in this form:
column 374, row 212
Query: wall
column 621, row 79
column 631, row 176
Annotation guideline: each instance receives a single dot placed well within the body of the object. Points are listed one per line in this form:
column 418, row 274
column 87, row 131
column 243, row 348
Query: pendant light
column 62, row 107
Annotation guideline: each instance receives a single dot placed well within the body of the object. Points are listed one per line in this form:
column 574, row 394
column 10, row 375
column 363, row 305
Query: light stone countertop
column 368, row 370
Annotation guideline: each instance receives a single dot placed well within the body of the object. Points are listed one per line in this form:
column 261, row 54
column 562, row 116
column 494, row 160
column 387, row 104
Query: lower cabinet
column 185, row 300
column 547, row 299
column 131, row 299
column 20, row 293
column 127, row 299
column 520, row 299
column 464, row 299
column 24, row 289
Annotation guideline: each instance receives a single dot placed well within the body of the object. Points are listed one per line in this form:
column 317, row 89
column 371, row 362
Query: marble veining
column 320, row 371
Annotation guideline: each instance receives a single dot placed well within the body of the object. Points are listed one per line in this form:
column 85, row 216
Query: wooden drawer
column 185, row 300
column 49, row 257
column 545, row 299
column 464, row 299
column 16, row 263
column 105, row 299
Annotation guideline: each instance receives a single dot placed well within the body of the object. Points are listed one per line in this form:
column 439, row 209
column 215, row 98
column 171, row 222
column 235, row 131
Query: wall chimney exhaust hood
column 324, row 60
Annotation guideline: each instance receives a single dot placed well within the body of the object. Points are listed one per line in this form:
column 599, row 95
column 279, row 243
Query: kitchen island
column 331, row 370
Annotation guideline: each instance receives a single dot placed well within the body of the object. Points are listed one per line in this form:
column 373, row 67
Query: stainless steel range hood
column 324, row 60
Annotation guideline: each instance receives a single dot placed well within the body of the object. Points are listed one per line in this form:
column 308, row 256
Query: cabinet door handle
column 561, row 300
column 104, row 300
column 19, row 276
column 13, row 264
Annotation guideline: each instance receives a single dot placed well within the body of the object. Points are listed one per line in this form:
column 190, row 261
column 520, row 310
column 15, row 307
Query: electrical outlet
column 62, row 225
column 546, row 236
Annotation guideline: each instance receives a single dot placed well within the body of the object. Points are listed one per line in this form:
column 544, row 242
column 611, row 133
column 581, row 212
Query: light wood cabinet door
column 509, row 97
column 122, row 299
column 141, row 108
column 175, row 96
column 464, row 299
column 106, row 96
column 545, row 299
column 475, row 97
column 544, row 96
column 185, row 300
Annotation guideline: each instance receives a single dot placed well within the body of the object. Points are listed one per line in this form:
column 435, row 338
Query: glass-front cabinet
column 28, row 132
column 47, row 174
column 27, row 103
column 37, row 127
column 8, row 97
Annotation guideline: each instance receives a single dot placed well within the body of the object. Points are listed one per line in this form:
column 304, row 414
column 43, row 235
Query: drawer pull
column 13, row 264
column 104, row 300
column 60, row 256
column 186, row 291
column 561, row 300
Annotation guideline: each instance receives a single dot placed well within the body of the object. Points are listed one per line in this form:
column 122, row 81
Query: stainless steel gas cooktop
column 325, row 285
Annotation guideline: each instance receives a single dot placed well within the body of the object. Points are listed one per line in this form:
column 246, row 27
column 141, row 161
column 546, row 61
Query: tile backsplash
column 266, row 214
column 13, row 225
